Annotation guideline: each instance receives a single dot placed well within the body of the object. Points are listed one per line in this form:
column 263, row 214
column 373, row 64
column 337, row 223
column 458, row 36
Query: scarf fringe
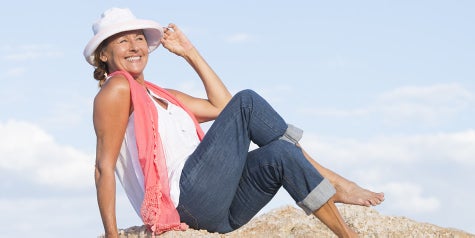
column 152, row 216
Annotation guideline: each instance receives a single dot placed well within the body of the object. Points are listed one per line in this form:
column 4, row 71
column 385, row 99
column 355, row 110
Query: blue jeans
column 223, row 185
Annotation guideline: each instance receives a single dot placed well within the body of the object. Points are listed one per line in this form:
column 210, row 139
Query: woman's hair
column 101, row 70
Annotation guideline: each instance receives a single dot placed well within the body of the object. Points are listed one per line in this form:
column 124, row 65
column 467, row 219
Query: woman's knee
column 247, row 94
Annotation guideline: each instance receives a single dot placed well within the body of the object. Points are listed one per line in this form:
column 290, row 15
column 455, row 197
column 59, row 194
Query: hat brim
column 152, row 30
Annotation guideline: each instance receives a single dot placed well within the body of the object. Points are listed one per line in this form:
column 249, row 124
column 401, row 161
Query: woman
column 174, row 175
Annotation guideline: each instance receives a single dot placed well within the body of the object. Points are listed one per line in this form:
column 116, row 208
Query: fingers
column 168, row 36
column 174, row 40
column 171, row 32
column 166, row 33
column 170, row 28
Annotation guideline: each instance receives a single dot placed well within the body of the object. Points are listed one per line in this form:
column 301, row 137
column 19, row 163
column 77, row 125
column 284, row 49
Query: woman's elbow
column 103, row 172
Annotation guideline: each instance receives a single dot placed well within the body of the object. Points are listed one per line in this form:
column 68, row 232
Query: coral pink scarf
column 158, row 211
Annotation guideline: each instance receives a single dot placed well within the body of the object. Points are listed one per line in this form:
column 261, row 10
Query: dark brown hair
column 100, row 68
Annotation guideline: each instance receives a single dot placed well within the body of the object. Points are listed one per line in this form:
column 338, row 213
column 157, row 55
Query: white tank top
column 179, row 139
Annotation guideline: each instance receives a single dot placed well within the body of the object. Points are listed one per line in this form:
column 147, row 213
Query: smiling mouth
column 133, row 58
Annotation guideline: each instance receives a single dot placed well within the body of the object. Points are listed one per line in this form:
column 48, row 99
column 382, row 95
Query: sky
column 385, row 91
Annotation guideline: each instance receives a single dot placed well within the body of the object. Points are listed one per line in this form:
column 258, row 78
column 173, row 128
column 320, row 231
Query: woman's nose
column 133, row 46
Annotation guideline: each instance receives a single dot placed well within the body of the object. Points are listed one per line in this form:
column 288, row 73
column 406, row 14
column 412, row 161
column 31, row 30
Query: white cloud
column 442, row 93
column 15, row 72
column 431, row 105
column 70, row 113
column 50, row 216
column 334, row 112
column 457, row 147
column 31, row 52
column 32, row 153
column 408, row 198
column 239, row 38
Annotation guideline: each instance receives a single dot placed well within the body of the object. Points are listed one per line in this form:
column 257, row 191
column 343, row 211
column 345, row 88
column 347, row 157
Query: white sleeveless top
column 179, row 139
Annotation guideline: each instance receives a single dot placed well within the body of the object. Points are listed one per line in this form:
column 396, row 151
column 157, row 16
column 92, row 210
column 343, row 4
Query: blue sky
column 385, row 91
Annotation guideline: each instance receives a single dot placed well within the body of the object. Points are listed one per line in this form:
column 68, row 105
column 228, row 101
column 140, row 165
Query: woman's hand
column 175, row 41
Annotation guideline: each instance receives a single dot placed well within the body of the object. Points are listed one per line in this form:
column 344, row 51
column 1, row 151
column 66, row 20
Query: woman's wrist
column 111, row 234
column 190, row 54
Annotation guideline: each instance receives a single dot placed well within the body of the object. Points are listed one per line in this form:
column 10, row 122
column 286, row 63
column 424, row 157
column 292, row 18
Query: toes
column 376, row 199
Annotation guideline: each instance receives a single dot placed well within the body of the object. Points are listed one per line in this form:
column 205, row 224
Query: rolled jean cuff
column 293, row 134
column 317, row 197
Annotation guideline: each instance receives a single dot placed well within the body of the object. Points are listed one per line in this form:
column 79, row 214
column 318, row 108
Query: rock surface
column 292, row 222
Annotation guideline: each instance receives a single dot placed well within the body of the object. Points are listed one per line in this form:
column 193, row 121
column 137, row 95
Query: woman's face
column 126, row 51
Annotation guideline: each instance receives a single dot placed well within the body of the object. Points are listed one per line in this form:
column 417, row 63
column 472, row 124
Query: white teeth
column 133, row 58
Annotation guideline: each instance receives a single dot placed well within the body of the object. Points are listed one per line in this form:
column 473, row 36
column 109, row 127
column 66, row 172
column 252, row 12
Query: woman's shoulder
column 117, row 80
column 115, row 87
column 116, row 83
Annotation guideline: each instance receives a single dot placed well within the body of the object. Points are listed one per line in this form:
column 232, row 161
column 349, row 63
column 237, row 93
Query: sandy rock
column 291, row 222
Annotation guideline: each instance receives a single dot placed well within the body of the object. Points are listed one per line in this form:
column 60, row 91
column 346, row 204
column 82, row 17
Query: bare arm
column 111, row 112
column 217, row 94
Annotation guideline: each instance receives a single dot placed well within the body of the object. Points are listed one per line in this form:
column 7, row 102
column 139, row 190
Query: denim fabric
column 223, row 185
column 292, row 134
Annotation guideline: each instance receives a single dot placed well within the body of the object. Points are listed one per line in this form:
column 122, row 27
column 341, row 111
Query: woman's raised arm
column 218, row 95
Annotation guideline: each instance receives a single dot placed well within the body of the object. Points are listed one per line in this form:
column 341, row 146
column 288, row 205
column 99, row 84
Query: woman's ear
column 102, row 57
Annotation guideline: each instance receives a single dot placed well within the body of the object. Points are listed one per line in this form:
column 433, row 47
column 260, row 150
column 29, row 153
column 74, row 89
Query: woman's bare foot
column 347, row 191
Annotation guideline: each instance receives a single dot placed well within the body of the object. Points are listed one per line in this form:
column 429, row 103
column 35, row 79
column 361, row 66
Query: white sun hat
column 116, row 20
